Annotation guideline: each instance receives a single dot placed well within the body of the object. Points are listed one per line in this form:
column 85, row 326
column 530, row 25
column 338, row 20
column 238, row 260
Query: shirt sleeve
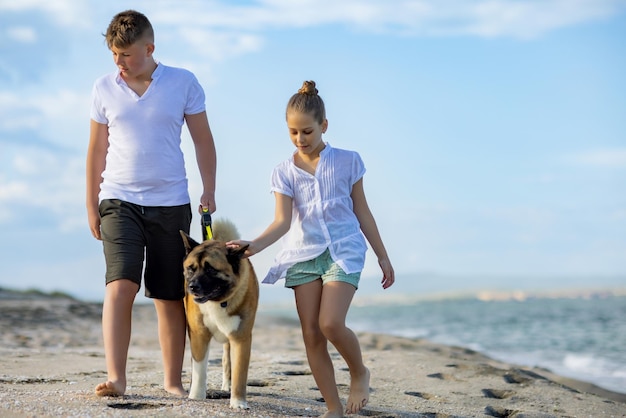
column 97, row 112
column 196, row 97
column 358, row 168
column 280, row 181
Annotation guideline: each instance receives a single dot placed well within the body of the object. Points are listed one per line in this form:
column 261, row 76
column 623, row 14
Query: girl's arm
column 202, row 137
column 370, row 230
column 96, row 162
column 278, row 228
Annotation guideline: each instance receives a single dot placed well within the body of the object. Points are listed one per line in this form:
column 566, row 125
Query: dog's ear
column 189, row 242
column 237, row 252
column 234, row 256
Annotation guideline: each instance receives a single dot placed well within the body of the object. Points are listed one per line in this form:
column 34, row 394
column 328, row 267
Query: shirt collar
column 158, row 71
column 323, row 152
column 155, row 74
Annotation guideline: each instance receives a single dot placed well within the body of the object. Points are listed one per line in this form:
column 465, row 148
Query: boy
column 137, row 197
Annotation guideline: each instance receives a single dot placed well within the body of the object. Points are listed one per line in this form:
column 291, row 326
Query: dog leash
column 207, row 232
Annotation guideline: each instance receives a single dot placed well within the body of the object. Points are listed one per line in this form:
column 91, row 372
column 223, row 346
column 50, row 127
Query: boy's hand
column 207, row 201
column 94, row 224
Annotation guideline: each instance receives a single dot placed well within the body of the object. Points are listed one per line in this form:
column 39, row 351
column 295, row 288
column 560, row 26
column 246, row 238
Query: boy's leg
column 164, row 284
column 172, row 334
column 308, row 304
column 335, row 301
column 116, row 328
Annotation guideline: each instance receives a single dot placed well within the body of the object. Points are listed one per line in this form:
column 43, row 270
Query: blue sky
column 494, row 132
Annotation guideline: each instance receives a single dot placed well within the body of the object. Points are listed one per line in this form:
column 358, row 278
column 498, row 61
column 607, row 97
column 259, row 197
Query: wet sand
column 51, row 358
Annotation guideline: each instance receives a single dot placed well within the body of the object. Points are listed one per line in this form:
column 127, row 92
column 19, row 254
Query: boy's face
column 134, row 60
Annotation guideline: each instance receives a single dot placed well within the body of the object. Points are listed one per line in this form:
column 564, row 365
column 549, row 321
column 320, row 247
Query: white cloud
column 69, row 13
column 484, row 18
column 218, row 46
column 618, row 215
column 22, row 34
column 40, row 179
column 530, row 18
column 12, row 189
column 52, row 114
column 518, row 215
column 600, row 158
column 64, row 113
column 13, row 115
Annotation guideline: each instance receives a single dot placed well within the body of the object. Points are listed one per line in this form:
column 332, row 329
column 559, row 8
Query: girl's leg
column 308, row 298
column 335, row 302
column 116, row 328
column 172, row 328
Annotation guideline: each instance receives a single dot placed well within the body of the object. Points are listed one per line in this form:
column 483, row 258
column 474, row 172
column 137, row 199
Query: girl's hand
column 388, row 273
column 236, row 244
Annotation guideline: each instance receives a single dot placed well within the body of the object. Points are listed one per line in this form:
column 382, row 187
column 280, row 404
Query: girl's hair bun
column 308, row 87
column 307, row 100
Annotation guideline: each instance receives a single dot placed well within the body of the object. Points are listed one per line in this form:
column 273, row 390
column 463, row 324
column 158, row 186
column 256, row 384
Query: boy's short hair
column 128, row 27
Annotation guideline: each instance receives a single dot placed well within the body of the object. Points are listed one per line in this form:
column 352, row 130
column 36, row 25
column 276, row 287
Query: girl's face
column 306, row 133
column 134, row 60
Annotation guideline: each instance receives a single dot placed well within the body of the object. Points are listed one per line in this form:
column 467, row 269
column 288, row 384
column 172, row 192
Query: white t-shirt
column 144, row 162
column 322, row 213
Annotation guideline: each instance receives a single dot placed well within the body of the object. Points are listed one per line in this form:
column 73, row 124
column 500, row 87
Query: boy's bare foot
column 332, row 414
column 109, row 388
column 177, row 390
column 359, row 393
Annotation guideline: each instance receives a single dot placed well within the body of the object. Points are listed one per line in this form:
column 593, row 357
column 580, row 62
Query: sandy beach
column 52, row 358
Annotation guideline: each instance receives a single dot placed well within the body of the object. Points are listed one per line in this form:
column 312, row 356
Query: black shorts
column 129, row 231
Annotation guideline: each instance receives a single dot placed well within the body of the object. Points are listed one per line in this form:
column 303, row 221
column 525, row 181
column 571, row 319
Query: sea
column 577, row 337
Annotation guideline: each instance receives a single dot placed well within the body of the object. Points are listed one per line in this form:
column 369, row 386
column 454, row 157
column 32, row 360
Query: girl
column 321, row 206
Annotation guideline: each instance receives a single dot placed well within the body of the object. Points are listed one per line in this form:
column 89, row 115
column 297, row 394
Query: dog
column 221, row 300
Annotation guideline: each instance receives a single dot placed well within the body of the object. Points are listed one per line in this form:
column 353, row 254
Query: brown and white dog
column 222, row 295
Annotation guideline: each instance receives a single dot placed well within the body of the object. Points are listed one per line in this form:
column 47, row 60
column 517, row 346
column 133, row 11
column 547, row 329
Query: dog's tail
column 224, row 230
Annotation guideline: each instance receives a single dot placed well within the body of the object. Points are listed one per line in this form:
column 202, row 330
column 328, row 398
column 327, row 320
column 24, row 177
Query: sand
column 51, row 358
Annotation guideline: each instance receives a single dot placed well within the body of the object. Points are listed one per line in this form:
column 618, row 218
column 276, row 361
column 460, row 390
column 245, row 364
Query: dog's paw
column 197, row 395
column 238, row 404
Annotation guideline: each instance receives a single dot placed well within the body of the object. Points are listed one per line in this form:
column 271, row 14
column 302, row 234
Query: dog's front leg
column 226, row 367
column 240, row 355
column 199, row 363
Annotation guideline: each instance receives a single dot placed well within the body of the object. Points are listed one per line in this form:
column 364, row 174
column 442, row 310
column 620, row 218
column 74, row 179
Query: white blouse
column 322, row 213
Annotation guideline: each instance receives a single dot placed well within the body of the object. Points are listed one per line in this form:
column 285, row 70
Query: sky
column 493, row 131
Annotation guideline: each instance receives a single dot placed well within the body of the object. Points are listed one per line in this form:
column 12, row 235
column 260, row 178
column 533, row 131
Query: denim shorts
column 322, row 267
column 131, row 231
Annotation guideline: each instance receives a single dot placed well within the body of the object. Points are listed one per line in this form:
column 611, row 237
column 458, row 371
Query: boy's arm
column 370, row 230
column 96, row 161
column 202, row 137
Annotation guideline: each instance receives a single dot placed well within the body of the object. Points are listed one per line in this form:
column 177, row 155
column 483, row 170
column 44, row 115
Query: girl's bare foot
column 359, row 393
column 332, row 414
column 109, row 388
column 177, row 390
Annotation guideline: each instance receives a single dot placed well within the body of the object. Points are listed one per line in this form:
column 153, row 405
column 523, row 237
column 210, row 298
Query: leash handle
column 207, row 232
